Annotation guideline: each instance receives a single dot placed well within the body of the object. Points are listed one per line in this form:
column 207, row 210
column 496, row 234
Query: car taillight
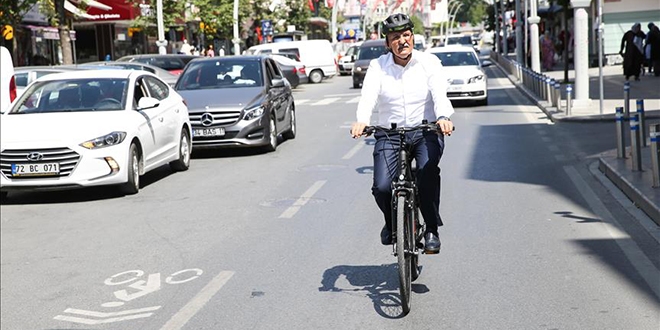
column 12, row 89
column 295, row 71
column 302, row 70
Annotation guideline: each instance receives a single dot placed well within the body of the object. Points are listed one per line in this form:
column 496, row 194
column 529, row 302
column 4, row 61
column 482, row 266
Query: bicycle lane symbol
column 136, row 289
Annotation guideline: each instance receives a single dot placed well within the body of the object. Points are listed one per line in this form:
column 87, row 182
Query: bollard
column 635, row 151
column 626, row 99
column 655, row 161
column 542, row 95
column 620, row 137
column 642, row 120
column 557, row 87
column 569, row 99
column 548, row 89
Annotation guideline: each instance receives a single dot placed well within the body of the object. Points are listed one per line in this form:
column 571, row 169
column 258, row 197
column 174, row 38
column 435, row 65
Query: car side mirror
column 277, row 82
column 353, row 58
column 147, row 103
column 486, row 63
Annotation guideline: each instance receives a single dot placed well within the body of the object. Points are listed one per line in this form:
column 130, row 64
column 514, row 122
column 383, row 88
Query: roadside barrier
column 635, row 148
column 620, row 137
column 642, row 119
column 549, row 82
column 569, row 99
column 558, row 94
column 655, row 157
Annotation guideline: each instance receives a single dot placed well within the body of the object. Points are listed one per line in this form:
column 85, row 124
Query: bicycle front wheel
column 404, row 250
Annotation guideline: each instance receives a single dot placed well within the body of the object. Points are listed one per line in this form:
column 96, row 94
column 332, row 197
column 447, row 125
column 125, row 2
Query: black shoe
column 386, row 236
column 431, row 243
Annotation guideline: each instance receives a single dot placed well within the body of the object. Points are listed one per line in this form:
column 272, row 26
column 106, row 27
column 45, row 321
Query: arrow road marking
column 108, row 317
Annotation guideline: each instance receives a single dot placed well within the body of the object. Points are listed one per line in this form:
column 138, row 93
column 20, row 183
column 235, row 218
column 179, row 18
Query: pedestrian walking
column 210, row 52
column 548, row 51
column 633, row 56
column 653, row 43
column 186, row 48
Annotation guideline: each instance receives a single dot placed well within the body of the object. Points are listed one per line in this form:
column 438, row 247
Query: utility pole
column 333, row 24
column 161, row 42
column 534, row 36
column 497, row 27
column 519, row 35
column 236, row 40
column 505, row 38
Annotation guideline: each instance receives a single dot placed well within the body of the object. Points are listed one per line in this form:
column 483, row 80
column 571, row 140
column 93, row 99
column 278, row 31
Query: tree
column 56, row 14
column 11, row 14
column 472, row 11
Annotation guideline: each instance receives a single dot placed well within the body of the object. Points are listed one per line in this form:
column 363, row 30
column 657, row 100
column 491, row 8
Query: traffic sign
column 8, row 32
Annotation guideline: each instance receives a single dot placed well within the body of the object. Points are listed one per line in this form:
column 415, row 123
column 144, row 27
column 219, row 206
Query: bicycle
column 407, row 227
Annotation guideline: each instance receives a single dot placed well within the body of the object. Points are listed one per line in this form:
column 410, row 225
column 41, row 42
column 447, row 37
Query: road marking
column 354, row 150
column 326, row 101
column 107, row 317
column 553, row 148
column 187, row 312
column 292, row 210
column 630, row 249
column 298, row 102
column 354, row 100
column 345, row 94
column 561, row 158
column 546, row 139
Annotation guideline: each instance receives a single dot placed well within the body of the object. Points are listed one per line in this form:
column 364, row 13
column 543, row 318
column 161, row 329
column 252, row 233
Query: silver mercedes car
column 237, row 101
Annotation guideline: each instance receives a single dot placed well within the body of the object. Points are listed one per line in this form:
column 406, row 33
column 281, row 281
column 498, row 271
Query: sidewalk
column 638, row 186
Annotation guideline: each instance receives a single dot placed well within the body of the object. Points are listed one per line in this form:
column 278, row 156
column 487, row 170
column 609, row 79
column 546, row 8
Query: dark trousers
column 427, row 149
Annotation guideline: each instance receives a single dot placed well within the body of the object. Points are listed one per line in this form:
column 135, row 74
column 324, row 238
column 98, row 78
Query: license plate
column 455, row 88
column 216, row 131
column 35, row 169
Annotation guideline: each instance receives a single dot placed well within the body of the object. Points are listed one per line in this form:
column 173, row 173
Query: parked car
column 25, row 75
column 293, row 71
column 238, row 101
column 173, row 63
column 345, row 64
column 368, row 51
column 91, row 128
column 317, row 56
column 7, row 80
column 468, row 80
column 167, row 76
column 462, row 40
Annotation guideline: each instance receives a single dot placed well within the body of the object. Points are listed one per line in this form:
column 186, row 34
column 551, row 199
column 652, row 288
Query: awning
column 76, row 11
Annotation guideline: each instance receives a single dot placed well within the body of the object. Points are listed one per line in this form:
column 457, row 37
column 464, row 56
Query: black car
column 237, row 101
column 369, row 50
column 173, row 63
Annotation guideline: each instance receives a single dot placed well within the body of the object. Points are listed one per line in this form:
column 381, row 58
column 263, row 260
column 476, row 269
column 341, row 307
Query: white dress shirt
column 404, row 95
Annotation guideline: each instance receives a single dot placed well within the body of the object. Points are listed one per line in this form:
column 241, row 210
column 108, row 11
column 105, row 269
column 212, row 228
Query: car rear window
column 464, row 40
column 457, row 58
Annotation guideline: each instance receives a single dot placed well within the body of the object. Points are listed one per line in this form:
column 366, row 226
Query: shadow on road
column 379, row 283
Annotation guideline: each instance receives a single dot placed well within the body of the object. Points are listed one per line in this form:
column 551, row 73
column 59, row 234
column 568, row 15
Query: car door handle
column 161, row 119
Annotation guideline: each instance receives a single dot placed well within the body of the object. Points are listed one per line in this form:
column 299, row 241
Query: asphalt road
column 533, row 238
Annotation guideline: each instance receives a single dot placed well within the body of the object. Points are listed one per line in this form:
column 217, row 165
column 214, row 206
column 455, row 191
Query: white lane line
column 292, row 210
column 298, row 102
column 561, row 158
column 553, row 148
column 354, row 150
column 187, row 312
column 326, row 101
column 102, row 314
column 345, row 94
column 93, row 322
column 630, row 249
column 354, row 100
column 546, row 139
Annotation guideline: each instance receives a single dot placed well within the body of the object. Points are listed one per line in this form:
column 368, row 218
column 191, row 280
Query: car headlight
column 107, row 140
column 358, row 69
column 254, row 112
column 476, row 79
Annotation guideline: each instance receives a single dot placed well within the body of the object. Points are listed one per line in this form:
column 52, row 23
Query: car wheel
column 132, row 185
column 315, row 76
column 183, row 163
column 272, row 135
column 291, row 133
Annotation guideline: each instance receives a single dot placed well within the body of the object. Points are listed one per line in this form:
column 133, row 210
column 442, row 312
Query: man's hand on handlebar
column 357, row 129
column 445, row 126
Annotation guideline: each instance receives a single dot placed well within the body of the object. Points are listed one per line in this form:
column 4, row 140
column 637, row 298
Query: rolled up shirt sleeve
column 438, row 86
column 370, row 90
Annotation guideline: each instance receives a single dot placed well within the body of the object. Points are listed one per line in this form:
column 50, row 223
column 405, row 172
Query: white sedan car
column 467, row 79
column 90, row 128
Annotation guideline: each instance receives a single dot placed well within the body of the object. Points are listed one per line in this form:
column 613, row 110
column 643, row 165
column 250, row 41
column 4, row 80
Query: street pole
column 519, row 35
column 161, row 43
column 236, row 40
column 600, row 53
column 505, row 38
column 333, row 25
column 453, row 18
column 534, row 36
column 497, row 28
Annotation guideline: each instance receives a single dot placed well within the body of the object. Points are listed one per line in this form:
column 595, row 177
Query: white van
column 7, row 80
column 420, row 42
column 317, row 56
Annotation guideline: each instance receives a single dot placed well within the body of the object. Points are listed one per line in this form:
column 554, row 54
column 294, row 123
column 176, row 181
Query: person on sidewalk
column 185, row 49
column 210, row 52
column 633, row 57
column 653, row 42
column 548, row 51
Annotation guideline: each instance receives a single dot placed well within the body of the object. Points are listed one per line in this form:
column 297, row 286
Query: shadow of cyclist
column 380, row 283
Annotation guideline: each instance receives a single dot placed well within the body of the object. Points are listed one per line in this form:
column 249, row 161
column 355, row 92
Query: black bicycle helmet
column 397, row 22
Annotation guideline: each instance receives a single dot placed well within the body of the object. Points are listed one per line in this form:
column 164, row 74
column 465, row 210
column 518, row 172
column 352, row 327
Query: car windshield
column 222, row 73
column 464, row 40
column 371, row 52
column 71, row 95
column 457, row 58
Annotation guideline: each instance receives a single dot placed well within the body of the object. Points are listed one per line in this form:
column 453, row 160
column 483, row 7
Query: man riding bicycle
column 405, row 87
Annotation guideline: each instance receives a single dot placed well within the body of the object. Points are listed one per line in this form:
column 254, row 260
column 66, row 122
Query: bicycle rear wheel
column 404, row 241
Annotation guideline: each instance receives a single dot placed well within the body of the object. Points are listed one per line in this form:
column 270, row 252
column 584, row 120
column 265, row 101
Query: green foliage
column 11, row 12
column 419, row 25
column 173, row 12
column 472, row 11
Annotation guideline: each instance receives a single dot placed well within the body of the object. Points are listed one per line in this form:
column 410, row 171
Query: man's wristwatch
column 443, row 118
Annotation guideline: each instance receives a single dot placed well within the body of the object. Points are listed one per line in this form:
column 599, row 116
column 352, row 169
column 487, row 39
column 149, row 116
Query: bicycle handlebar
column 368, row 130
